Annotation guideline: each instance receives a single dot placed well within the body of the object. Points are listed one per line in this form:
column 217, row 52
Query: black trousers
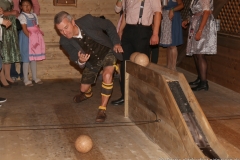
column 135, row 38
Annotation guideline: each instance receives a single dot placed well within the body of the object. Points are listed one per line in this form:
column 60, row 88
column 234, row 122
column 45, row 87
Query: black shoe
column 118, row 101
column 2, row 100
column 201, row 85
column 196, row 82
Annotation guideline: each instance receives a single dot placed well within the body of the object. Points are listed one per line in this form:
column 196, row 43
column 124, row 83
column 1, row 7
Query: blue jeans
column 14, row 73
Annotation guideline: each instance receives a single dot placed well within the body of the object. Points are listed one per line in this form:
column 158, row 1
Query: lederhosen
column 100, row 56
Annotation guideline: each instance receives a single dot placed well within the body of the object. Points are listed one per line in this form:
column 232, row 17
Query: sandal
column 38, row 81
column 28, row 83
column 79, row 98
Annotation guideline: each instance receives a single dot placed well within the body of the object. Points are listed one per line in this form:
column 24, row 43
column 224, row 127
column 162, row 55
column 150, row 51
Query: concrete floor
column 42, row 123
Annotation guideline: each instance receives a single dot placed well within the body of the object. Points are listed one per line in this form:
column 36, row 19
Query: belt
column 138, row 25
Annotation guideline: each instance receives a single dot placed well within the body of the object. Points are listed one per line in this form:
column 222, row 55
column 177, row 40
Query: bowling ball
column 133, row 55
column 83, row 144
column 141, row 59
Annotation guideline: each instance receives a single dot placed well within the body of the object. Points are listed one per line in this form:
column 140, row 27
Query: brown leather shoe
column 101, row 116
column 80, row 97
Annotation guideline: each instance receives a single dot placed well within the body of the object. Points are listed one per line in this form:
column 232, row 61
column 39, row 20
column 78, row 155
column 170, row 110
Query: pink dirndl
column 36, row 44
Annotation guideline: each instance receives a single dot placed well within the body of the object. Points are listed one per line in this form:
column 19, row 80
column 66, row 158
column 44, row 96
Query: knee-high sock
column 88, row 94
column 107, row 89
column 25, row 72
column 106, row 93
column 102, row 107
column 33, row 65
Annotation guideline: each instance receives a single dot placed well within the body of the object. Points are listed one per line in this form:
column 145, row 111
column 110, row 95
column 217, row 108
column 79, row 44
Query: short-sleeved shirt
column 23, row 19
column 132, row 9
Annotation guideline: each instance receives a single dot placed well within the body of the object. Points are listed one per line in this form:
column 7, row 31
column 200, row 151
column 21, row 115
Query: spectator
column 32, row 46
column 202, row 39
column 137, row 34
column 9, row 46
column 36, row 9
column 171, row 31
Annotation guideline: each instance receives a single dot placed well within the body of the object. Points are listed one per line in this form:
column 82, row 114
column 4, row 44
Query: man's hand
column 7, row 23
column 83, row 57
column 118, row 48
column 154, row 40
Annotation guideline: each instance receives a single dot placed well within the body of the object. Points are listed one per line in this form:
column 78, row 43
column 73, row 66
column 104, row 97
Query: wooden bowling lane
column 222, row 109
column 42, row 123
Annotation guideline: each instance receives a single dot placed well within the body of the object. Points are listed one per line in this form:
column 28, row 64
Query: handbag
column 18, row 24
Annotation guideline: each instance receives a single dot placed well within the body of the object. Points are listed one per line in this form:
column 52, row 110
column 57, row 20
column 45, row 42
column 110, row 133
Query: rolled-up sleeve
column 156, row 5
column 118, row 9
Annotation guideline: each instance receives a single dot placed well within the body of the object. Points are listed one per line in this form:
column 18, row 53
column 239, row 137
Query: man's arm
column 108, row 26
column 122, row 25
column 156, row 24
column 118, row 6
column 69, row 48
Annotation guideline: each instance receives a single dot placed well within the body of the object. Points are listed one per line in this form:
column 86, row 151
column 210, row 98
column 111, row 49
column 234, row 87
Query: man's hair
column 60, row 16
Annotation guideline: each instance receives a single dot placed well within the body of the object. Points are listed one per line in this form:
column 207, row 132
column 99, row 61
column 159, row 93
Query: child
column 32, row 47
column 36, row 9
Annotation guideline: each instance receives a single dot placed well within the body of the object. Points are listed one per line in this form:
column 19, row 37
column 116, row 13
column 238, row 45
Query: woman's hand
column 198, row 35
column 6, row 23
column 185, row 24
column 171, row 14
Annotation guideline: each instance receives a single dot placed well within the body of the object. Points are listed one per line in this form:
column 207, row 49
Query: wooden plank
column 126, row 101
column 142, row 96
column 201, row 118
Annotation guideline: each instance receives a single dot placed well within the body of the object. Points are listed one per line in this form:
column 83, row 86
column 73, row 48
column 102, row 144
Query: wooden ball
column 83, row 144
column 142, row 59
column 133, row 55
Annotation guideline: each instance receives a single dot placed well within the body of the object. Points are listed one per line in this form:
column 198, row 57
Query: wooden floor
column 42, row 123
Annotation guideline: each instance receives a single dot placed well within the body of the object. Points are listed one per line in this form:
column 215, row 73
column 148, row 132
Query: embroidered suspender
column 141, row 12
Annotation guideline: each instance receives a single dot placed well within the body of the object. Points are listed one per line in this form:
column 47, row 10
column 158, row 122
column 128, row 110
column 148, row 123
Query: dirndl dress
column 32, row 48
column 171, row 30
column 9, row 47
column 208, row 42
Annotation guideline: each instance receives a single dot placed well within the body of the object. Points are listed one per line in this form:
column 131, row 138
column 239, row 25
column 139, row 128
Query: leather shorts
column 89, row 75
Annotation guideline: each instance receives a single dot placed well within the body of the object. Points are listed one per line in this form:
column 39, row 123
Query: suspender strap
column 141, row 12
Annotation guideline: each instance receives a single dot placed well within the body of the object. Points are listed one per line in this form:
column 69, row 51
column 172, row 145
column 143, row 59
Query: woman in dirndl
column 202, row 39
column 9, row 46
column 171, row 31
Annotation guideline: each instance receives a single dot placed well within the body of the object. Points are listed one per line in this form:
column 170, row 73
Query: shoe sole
column 117, row 104
column 2, row 101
